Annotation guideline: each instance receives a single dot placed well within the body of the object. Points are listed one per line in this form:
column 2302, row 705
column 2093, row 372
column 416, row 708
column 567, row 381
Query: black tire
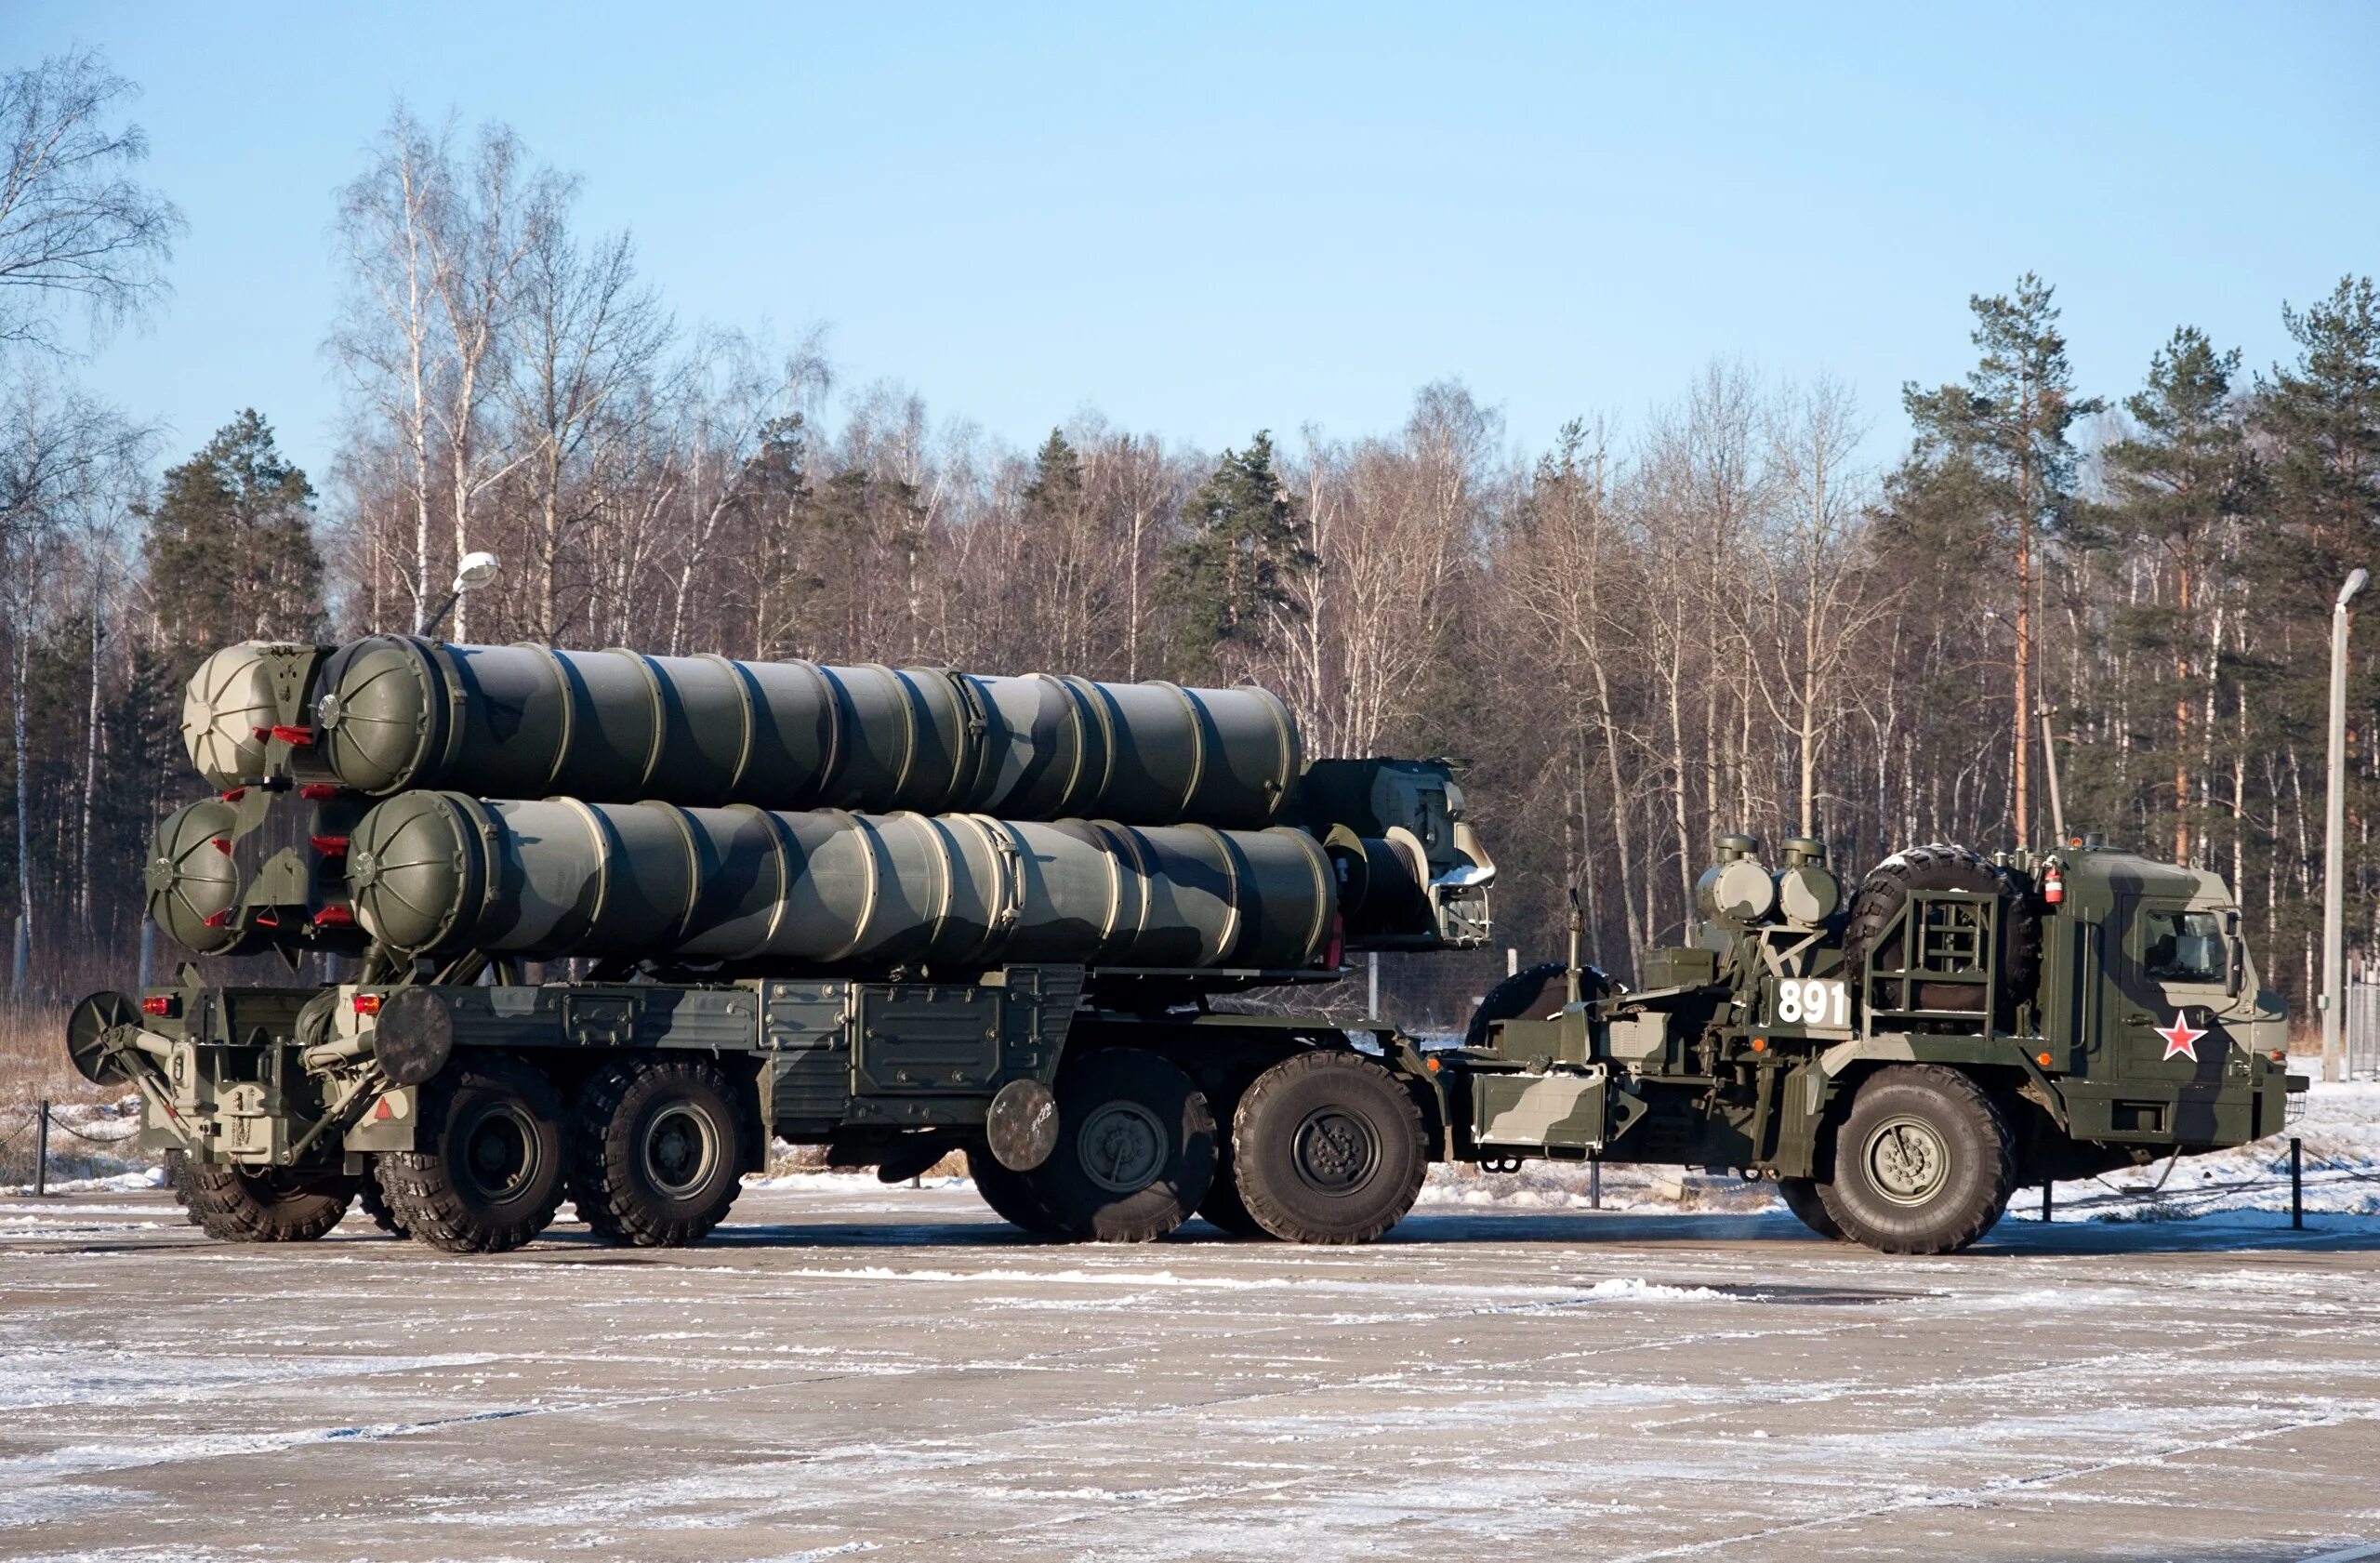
column 1010, row 1196
column 1942, row 867
column 376, row 1205
column 1923, row 1163
column 1328, row 1147
column 1802, row 1197
column 1222, row 1207
column 1532, row 993
column 657, row 1150
column 268, row 1205
column 177, row 1183
column 490, row 1174
column 1136, row 1148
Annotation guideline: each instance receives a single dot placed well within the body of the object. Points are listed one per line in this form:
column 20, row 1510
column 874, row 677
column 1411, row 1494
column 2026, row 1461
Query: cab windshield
column 2183, row 947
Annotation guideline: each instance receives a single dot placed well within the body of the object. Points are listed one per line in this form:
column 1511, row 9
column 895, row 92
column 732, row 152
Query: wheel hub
column 1907, row 1162
column 1122, row 1147
column 500, row 1153
column 1334, row 1151
column 681, row 1147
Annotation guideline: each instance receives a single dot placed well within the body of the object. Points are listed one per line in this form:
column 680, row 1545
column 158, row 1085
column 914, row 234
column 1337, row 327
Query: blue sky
column 1208, row 220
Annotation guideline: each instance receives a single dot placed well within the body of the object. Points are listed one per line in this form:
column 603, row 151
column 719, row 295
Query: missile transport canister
column 442, row 873
column 393, row 713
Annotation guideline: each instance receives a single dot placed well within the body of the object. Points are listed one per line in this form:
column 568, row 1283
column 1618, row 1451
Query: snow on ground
column 848, row 1368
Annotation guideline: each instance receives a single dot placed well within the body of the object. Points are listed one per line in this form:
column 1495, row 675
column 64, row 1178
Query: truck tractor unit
column 599, row 925
column 1966, row 1026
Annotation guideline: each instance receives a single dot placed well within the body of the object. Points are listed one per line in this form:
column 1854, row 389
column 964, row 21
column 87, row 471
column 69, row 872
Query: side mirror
column 2235, row 956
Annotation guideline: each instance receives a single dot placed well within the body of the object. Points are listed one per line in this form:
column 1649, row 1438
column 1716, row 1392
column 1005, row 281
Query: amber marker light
column 2041, row 1059
column 1760, row 1044
column 1432, row 1064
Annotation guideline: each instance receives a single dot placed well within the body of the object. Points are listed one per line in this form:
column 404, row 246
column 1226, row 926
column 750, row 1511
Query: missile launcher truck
column 596, row 926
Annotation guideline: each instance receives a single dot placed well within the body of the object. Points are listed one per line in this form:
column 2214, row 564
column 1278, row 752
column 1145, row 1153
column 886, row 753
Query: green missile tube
column 394, row 713
column 437, row 873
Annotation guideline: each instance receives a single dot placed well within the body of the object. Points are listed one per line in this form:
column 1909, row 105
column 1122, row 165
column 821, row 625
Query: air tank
column 440, row 872
column 393, row 713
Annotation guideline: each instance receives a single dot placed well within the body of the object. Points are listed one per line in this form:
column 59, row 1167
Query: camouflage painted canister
column 395, row 713
column 440, row 872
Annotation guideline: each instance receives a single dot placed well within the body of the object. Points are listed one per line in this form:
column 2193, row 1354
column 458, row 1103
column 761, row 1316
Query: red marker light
column 329, row 846
column 382, row 1110
column 163, row 1005
column 367, row 1004
column 336, row 917
column 318, row 793
column 293, row 735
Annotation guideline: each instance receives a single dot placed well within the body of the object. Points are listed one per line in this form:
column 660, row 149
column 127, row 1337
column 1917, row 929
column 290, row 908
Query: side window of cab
column 2187, row 947
column 2181, row 947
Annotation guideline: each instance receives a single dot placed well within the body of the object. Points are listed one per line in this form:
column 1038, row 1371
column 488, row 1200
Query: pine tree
column 230, row 545
column 2323, row 417
column 1056, row 488
column 1235, row 571
column 2178, row 483
column 2009, row 424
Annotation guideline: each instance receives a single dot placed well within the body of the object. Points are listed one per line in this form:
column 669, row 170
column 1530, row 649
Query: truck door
column 2167, row 987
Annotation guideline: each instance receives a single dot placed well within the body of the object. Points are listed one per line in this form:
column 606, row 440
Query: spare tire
column 1532, row 993
column 1942, row 867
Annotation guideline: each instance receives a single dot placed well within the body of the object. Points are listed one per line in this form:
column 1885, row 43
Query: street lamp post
column 2333, row 999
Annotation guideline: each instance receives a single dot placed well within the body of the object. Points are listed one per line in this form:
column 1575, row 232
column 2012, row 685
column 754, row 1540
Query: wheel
column 178, row 1181
column 657, row 1149
column 1945, row 867
column 1923, row 1164
column 263, row 1205
column 1802, row 1197
column 1222, row 1206
column 1010, row 1196
column 1328, row 1147
column 376, row 1205
column 1136, row 1148
column 489, row 1175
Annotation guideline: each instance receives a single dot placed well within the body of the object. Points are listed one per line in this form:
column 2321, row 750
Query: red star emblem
column 2181, row 1037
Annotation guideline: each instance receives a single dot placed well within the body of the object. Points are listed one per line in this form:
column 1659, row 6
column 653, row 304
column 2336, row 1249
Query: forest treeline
column 1712, row 618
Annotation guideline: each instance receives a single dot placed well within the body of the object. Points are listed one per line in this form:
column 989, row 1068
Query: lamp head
column 2355, row 580
column 476, row 571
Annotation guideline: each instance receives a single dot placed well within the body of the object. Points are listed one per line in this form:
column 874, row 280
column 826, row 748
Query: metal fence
column 2363, row 1029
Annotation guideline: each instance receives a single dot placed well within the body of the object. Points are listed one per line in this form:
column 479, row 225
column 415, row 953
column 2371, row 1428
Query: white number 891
column 1813, row 1003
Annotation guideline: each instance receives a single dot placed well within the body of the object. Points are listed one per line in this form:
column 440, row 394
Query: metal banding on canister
column 394, row 713
column 437, row 872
